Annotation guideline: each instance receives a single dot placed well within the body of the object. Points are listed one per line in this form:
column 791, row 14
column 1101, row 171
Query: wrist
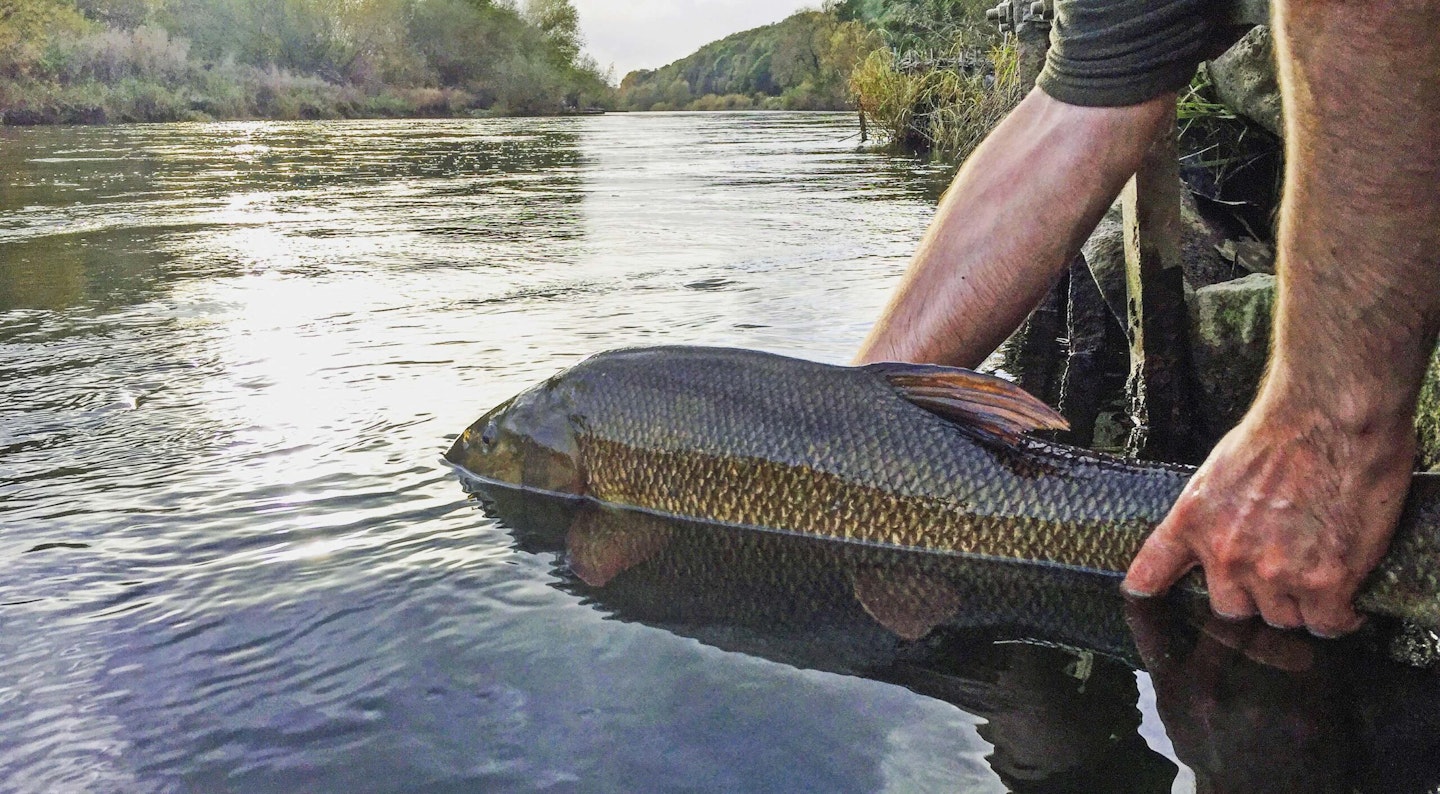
column 1372, row 414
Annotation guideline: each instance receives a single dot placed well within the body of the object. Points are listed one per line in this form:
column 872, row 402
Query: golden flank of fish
column 895, row 455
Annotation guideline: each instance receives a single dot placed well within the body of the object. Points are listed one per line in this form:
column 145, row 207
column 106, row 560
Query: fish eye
column 488, row 435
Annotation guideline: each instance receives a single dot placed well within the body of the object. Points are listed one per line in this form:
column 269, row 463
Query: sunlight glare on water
column 231, row 357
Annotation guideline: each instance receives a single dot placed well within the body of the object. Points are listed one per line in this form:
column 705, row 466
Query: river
column 230, row 556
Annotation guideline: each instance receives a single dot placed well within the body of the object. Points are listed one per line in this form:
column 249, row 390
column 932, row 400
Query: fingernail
column 1130, row 591
column 1233, row 617
column 1327, row 636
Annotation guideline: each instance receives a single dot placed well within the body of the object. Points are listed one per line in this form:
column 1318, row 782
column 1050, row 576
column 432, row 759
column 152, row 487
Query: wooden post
column 1158, row 387
column 1096, row 366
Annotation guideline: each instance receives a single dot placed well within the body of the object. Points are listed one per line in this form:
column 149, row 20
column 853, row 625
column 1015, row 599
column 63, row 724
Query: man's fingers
column 1229, row 601
column 1160, row 563
column 1278, row 609
column 1331, row 616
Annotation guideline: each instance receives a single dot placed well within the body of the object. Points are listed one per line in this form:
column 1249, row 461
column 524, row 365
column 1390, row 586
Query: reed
column 933, row 105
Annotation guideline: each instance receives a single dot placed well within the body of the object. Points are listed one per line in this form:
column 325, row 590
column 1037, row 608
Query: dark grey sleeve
column 1108, row 53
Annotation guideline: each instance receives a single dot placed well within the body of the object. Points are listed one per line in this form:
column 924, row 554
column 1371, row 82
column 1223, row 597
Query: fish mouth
column 455, row 453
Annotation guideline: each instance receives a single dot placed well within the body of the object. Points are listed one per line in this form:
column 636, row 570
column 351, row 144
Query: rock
column 1199, row 256
column 1229, row 345
column 1245, row 82
column 1230, row 342
column 1092, row 391
column 1104, row 252
column 1427, row 419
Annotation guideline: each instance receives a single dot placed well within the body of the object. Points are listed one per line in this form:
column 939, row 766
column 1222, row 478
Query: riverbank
column 243, row 93
column 211, row 60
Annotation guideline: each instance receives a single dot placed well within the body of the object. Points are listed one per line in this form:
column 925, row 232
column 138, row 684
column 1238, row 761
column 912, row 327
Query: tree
column 927, row 25
column 26, row 26
column 559, row 22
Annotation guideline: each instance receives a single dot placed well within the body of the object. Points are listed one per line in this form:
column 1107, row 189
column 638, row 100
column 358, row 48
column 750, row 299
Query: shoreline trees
column 87, row 61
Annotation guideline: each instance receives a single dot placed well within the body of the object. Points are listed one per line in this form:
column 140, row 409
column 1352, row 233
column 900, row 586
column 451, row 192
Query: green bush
column 726, row 102
column 135, row 100
column 929, row 108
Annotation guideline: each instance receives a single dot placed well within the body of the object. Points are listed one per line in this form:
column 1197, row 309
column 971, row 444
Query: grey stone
column 1427, row 419
column 1199, row 255
column 1245, row 80
column 1229, row 344
column 1105, row 254
column 1230, row 327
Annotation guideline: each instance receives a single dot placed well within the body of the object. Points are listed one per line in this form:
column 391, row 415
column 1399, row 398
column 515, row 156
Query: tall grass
column 936, row 107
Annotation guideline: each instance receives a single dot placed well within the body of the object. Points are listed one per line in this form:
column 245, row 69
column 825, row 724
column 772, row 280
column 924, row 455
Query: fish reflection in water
column 1046, row 656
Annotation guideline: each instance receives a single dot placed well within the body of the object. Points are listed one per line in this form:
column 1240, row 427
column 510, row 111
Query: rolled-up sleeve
column 1109, row 53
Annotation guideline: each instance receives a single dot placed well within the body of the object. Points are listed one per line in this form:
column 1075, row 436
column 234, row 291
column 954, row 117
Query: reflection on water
column 230, row 356
column 1045, row 657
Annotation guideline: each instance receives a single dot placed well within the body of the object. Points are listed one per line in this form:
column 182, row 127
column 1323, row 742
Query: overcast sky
column 645, row 34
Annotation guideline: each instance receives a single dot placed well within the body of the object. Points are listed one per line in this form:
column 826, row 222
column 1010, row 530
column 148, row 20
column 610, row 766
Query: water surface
column 230, row 559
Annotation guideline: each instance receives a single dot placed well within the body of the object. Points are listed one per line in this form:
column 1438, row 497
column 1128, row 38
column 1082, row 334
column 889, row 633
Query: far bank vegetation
column 96, row 61
column 928, row 75
column 801, row 63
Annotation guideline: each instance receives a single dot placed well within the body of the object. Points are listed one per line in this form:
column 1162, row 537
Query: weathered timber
column 1034, row 354
column 1095, row 368
column 1159, row 385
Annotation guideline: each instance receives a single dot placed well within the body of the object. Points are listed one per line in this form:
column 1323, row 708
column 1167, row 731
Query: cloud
column 645, row 34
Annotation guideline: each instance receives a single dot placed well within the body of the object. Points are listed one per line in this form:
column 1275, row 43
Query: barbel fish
column 928, row 459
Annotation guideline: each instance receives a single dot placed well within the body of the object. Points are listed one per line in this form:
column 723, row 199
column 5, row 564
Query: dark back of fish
column 753, row 439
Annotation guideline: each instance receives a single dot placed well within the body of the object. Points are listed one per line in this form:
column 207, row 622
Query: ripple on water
column 230, row 356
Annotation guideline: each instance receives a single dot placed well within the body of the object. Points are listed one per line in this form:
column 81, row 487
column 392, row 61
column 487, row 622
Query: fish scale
column 757, row 440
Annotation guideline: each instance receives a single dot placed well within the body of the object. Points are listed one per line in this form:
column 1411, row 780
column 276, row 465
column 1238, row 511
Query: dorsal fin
column 984, row 404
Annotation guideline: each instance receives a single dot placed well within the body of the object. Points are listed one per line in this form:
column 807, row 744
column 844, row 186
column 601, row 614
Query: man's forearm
column 1015, row 215
column 1359, row 298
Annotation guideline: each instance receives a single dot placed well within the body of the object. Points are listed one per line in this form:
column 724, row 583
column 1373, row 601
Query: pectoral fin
column 909, row 603
column 602, row 544
column 988, row 406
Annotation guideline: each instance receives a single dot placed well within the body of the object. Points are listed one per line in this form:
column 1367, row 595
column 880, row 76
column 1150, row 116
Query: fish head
column 527, row 441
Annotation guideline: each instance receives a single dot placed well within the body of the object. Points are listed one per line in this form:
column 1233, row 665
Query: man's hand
column 1298, row 503
column 1287, row 516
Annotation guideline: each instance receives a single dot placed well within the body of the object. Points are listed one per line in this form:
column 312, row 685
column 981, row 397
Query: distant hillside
column 801, row 63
